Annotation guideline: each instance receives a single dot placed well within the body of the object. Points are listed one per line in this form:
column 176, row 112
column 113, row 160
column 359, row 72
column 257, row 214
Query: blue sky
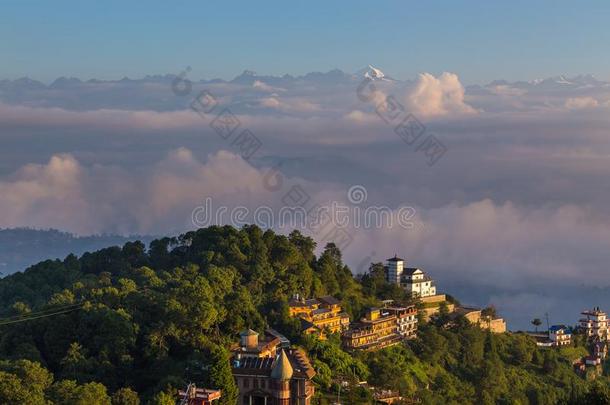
column 478, row 40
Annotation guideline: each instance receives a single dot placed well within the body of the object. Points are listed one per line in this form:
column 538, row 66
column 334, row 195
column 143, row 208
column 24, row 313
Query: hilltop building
column 319, row 315
column 412, row 279
column 594, row 324
column 382, row 328
column 418, row 284
column 267, row 374
column 560, row 335
column 197, row 396
column 394, row 270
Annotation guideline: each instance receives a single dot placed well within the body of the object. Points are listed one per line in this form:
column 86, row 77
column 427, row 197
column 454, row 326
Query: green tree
column 536, row 322
column 125, row 396
column 221, row 377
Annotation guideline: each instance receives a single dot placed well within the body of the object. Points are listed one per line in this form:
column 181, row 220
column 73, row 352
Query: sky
column 478, row 40
column 512, row 213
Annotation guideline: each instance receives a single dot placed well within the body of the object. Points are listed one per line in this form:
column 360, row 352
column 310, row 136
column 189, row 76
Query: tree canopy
column 131, row 324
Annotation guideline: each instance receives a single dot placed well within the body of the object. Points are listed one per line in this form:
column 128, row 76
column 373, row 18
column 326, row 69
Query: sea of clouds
column 516, row 208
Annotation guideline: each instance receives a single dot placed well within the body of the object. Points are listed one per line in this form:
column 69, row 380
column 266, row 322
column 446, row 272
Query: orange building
column 378, row 329
column 319, row 315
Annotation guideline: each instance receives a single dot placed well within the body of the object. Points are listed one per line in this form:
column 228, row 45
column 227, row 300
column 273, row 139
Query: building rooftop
column 395, row 259
column 294, row 302
column 329, row 300
column 249, row 332
column 594, row 312
column 556, row 328
column 291, row 362
column 282, row 370
column 284, row 341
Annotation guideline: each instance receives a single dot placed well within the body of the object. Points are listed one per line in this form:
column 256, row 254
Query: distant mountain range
column 23, row 247
column 248, row 77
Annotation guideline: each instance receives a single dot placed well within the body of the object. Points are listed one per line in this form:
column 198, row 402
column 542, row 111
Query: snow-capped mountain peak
column 371, row 72
column 374, row 73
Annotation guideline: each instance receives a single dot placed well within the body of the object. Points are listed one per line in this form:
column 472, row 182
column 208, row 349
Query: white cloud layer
column 437, row 96
column 519, row 197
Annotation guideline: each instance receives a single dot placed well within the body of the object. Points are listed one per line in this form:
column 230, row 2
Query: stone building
column 474, row 315
column 267, row 374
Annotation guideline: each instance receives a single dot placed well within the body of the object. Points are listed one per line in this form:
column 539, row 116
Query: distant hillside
column 23, row 247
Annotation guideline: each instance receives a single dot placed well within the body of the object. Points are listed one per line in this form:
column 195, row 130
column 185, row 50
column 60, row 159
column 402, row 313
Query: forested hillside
column 131, row 324
column 22, row 247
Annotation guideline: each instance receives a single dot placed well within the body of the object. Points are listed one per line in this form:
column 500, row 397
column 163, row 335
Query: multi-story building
column 406, row 320
column 560, row 335
column 413, row 279
column 394, row 270
column 274, row 376
column 378, row 329
column 320, row 315
column 416, row 282
column 595, row 324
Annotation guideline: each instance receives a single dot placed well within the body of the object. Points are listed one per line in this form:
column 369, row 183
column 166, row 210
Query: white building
column 560, row 335
column 414, row 280
column 418, row 283
column 595, row 324
column 394, row 270
column 406, row 320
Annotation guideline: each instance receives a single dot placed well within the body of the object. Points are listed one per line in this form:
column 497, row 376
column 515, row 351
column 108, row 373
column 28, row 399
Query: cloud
column 294, row 105
column 507, row 90
column 501, row 244
column 270, row 102
column 64, row 194
column 437, row 96
column 260, row 85
column 12, row 116
column 579, row 103
column 519, row 197
column 358, row 116
column 513, row 242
